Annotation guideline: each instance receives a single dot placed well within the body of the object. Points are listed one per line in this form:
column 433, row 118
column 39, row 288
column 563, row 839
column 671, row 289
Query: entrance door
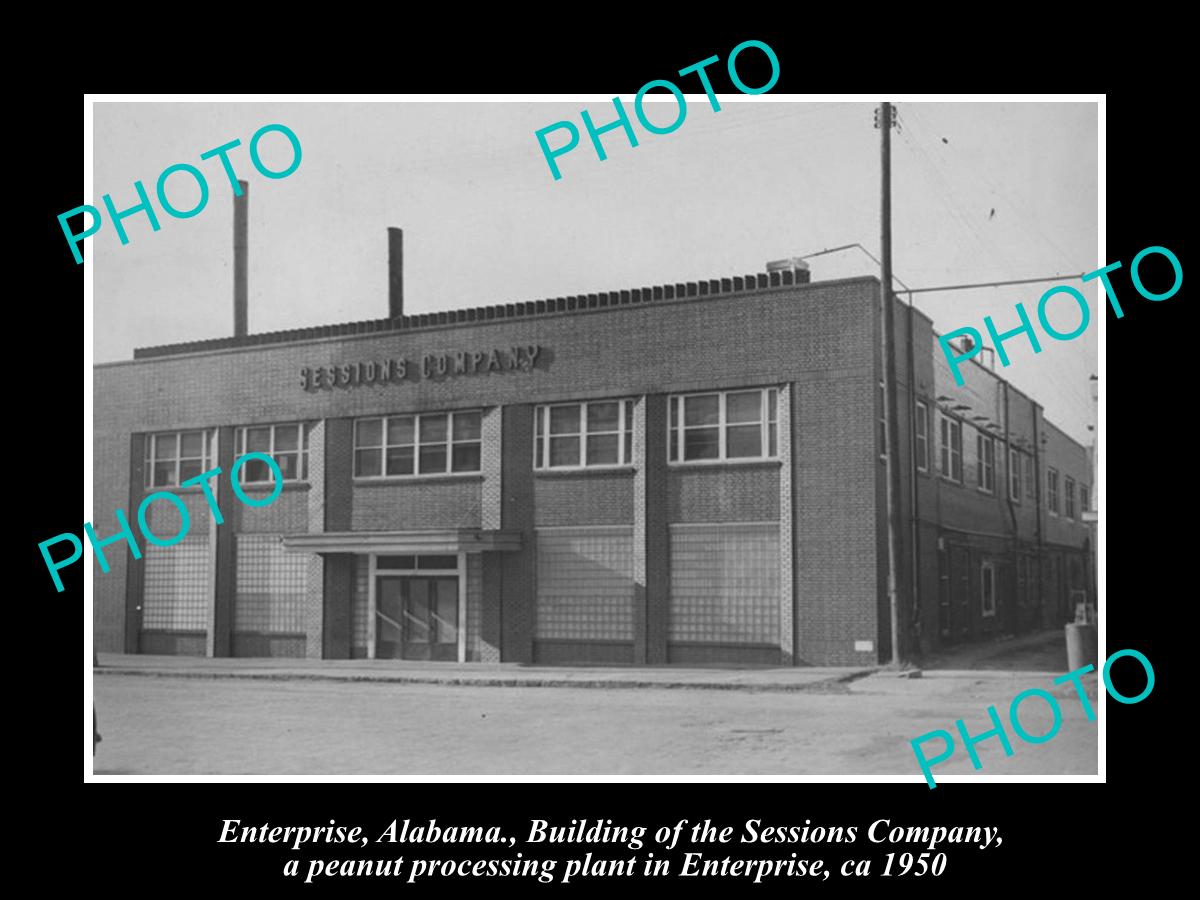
column 416, row 617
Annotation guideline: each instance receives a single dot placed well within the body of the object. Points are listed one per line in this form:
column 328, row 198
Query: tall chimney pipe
column 395, row 273
column 241, row 289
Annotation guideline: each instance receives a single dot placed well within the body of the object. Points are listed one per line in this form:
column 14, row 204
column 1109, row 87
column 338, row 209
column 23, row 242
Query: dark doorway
column 416, row 617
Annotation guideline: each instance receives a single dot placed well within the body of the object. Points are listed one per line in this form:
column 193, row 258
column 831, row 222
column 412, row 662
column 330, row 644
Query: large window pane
column 193, row 444
column 367, row 463
column 433, row 429
column 466, row 426
column 256, row 470
column 400, row 430
column 258, row 440
column 702, row 410
column 466, row 458
column 433, row 456
column 189, row 468
column 742, row 441
column 164, row 473
column 400, row 460
column 368, row 433
column 743, row 407
column 564, row 451
column 603, row 449
column 287, row 437
column 603, row 417
column 701, row 443
column 289, row 465
column 564, row 420
column 165, row 446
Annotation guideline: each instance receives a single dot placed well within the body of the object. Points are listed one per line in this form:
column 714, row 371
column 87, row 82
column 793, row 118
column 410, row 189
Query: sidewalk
column 823, row 680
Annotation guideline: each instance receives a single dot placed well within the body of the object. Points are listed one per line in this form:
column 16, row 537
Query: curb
column 821, row 686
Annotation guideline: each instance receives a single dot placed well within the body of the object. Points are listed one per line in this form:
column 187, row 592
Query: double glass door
column 416, row 617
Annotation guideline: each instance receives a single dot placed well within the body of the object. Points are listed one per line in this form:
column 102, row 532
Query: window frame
column 150, row 457
column 922, row 433
column 985, row 463
column 1068, row 497
column 624, row 433
column 987, row 576
column 948, row 452
column 1030, row 480
column 451, row 441
column 768, row 423
column 241, row 435
column 1014, row 474
column 1052, row 490
column 1084, row 497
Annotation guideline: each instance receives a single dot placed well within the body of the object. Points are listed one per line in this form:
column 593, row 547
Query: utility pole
column 884, row 118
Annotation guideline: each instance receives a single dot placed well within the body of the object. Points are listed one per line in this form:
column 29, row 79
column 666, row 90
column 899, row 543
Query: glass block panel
column 271, row 586
column 175, row 595
column 585, row 585
column 725, row 585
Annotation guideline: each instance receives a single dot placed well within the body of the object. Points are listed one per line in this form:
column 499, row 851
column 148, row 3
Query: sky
column 981, row 192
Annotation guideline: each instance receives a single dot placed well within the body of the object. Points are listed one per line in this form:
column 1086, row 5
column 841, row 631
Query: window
column 288, row 444
column 952, row 449
column 987, row 589
column 1052, row 491
column 425, row 444
column 722, row 426
column 883, row 440
column 1083, row 498
column 578, row 435
column 985, row 462
column 176, row 456
column 1030, row 486
column 1014, row 475
column 922, row 437
column 1069, row 493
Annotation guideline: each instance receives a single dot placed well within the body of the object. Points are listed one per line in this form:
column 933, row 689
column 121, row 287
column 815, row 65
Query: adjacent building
column 686, row 473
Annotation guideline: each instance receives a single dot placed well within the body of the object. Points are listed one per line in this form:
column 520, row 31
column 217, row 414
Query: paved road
column 164, row 725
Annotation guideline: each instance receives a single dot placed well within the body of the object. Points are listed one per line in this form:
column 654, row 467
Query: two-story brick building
column 686, row 473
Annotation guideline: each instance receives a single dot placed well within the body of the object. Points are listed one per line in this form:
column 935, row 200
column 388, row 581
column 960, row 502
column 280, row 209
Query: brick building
column 687, row 473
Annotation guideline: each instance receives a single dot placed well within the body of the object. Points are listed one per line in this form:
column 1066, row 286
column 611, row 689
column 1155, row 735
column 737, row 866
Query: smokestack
column 241, row 287
column 395, row 273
